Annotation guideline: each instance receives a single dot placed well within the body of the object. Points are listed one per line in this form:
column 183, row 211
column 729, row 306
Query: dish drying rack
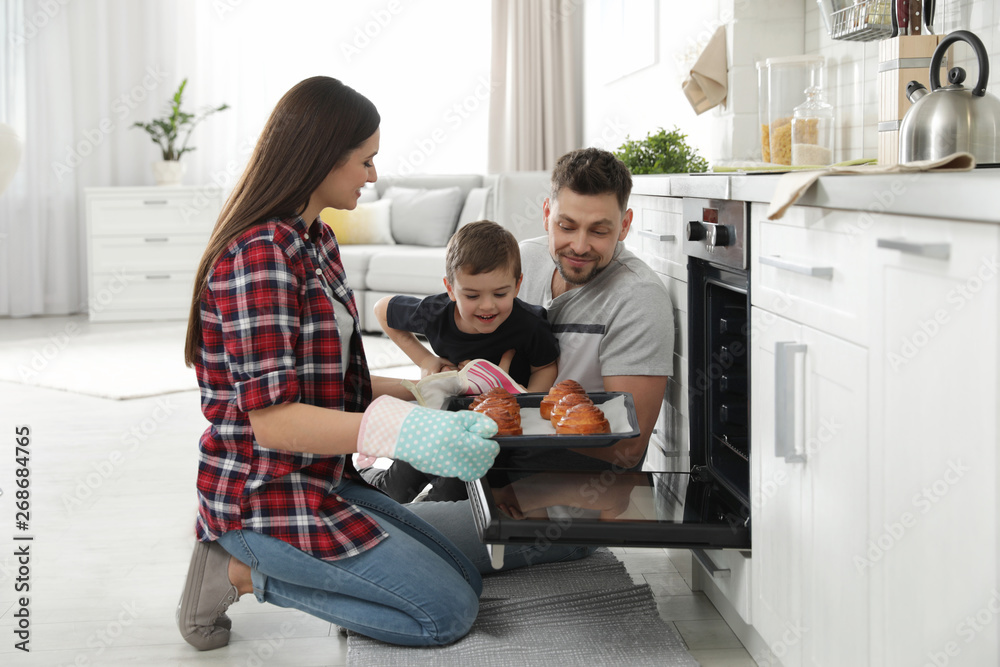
column 864, row 21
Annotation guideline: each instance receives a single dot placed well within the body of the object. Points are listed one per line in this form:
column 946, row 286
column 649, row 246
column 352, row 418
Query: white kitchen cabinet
column 881, row 546
column 143, row 248
column 657, row 234
column 812, row 266
column 933, row 553
column 809, row 492
column 809, row 435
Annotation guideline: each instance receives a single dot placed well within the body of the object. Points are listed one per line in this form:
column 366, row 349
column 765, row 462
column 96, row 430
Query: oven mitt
column 478, row 376
column 449, row 444
column 434, row 390
column 481, row 376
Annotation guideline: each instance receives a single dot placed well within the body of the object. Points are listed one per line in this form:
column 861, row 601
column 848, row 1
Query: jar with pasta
column 812, row 131
column 787, row 78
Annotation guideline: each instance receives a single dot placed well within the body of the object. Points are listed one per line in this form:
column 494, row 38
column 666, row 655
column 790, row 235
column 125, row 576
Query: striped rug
column 586, row 612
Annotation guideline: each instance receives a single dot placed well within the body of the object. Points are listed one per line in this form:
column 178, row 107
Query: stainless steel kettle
column 952, row 119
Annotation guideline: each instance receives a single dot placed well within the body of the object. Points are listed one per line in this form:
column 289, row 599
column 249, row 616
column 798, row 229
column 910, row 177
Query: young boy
column 477, row 317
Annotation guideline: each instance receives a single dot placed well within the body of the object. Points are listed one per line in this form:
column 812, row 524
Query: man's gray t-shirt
column 620, row 323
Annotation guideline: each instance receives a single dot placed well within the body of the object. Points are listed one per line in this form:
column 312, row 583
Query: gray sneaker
column 207, row 595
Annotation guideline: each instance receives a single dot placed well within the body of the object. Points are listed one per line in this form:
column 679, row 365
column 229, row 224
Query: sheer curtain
column 75, row 75
column 537, row 71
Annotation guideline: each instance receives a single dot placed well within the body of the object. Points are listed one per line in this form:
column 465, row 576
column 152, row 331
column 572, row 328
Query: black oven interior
column 719, row 391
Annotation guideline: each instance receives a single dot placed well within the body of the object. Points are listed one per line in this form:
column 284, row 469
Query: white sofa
column 512, row 199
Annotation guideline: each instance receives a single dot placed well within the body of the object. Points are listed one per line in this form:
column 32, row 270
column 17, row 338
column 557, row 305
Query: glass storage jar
column 812, row 130
column 787, row 80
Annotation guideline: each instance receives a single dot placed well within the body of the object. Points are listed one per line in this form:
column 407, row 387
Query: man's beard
column 577, row 278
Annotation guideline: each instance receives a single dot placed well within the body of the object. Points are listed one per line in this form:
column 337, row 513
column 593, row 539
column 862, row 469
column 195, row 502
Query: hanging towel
column 708, row 83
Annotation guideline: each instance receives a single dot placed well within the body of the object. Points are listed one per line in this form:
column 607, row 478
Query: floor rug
column 586, row 612
column 130, row 363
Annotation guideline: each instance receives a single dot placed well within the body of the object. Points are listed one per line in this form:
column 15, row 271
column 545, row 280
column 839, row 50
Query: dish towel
column 708, row 83
column 793, row 185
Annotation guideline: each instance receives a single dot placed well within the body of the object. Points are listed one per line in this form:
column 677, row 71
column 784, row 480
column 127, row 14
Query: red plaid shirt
column 269, row 336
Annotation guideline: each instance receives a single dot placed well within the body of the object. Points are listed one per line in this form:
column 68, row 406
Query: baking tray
column 559, row 441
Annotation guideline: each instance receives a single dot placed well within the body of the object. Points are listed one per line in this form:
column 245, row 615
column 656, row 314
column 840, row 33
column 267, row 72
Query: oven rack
column 736, row 449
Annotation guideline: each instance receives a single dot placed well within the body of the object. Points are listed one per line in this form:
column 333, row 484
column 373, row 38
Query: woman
column 275, row 339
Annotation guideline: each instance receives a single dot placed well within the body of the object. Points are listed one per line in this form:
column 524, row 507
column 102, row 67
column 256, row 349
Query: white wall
column 649, row 98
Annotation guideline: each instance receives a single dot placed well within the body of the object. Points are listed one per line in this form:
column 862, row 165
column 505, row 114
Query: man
column 615, row 326
column 610, row 312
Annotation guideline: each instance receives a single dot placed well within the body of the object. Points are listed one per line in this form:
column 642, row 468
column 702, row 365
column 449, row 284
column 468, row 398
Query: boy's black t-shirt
column 526, row 330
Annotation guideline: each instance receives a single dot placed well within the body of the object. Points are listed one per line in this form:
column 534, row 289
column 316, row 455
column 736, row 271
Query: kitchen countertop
column 971, row 195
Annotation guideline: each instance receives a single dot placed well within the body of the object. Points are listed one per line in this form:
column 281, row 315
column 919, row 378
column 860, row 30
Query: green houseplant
column 171, row 134
column 661, row 152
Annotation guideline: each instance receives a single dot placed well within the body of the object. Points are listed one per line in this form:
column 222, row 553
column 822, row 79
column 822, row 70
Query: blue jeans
column 419, row 587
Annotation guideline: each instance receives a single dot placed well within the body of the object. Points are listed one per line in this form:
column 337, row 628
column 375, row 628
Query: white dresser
column 143, row 248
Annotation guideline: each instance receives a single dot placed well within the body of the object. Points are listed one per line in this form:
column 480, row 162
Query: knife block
column 901, row 60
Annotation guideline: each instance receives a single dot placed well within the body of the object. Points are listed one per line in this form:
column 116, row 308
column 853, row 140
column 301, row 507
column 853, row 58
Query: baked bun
column 495, row 392
column 555, row 393
column 507, row 423
column 583, row 419
column 510, row 407
column 565, row 403
column 501, row 407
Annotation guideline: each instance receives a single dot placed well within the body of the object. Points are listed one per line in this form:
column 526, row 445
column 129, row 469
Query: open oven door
column 612, row 507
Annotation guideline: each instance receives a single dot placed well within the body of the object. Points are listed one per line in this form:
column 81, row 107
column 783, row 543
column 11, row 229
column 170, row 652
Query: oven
column 719, row 358
column 698, row 499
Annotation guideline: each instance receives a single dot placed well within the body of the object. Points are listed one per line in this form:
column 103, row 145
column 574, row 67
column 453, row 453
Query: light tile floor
column 112, row 521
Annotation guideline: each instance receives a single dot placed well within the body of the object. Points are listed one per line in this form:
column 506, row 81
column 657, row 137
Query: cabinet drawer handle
column 785, row 398
column 154, row 202
column 657, row 237
column 157, row 276
column 158, row 239
column 932, row 250
column 706, row 562
column 815, row 271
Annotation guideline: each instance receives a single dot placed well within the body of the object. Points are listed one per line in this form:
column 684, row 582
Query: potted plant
column 171, row 133
column 661, row 152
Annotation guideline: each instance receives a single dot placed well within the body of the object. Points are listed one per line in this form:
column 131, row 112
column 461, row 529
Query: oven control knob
column 696, row 231
column 718, row 236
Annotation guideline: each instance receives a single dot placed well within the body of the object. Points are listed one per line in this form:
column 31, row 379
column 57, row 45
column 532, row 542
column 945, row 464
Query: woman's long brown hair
column 312, row 129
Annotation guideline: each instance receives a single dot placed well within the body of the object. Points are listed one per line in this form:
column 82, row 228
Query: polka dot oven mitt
column 451, row 444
